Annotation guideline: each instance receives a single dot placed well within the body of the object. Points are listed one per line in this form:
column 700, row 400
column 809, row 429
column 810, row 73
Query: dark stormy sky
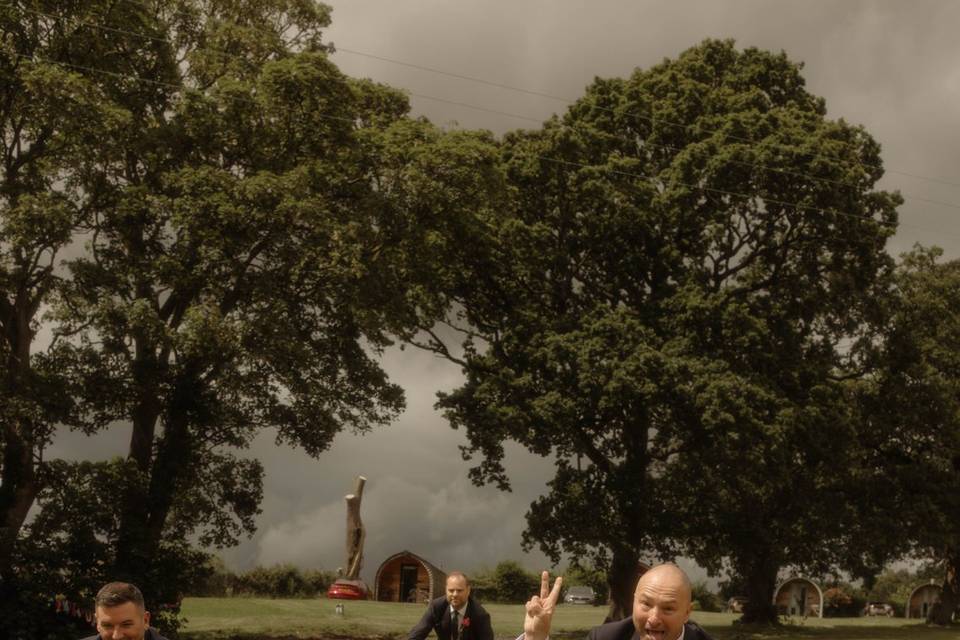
column 890, row 65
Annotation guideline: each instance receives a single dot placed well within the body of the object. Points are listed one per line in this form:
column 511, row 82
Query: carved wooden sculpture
column 355, row 532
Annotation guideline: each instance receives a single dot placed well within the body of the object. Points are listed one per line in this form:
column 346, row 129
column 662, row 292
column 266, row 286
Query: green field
column 259, row 618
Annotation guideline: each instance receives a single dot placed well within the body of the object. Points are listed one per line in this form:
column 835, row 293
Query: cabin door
column 408, row 583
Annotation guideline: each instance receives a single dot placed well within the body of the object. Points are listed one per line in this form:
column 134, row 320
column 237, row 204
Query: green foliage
column 218, row 581
column 894, row 586
column 912, row 405
column 667, row 307
column 70, row 547
column 508, row 582
column 843, row 600
column 731, row 586
column 278, row 581
column 55, row 119
column 514, row 584
column 318, row 581
column 250, row 231
column 705, row 599
column 482, row 585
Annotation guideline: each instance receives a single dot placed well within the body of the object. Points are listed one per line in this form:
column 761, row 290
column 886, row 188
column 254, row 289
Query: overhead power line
column 791, row 172
column 570, row 101
column 524, row 91
column 652, row 179
column 807, row 176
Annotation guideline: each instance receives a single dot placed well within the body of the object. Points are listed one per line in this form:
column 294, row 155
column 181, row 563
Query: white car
column 579, row 595
column 878, row 609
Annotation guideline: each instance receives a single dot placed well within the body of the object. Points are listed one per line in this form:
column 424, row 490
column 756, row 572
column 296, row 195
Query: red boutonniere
column 465, row 623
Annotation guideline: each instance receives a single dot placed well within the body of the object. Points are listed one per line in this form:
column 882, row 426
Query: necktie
column 455, row 625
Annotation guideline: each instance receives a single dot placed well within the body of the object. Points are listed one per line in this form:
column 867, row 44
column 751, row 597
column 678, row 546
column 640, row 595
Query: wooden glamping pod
column 406, row 577
column 799, row 597
column 922, row 599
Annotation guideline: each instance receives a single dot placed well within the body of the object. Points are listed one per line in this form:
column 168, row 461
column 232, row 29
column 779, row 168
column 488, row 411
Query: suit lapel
column 465, row 629
column 445, row 621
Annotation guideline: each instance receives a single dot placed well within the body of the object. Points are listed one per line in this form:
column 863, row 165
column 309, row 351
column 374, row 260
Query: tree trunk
column 942, row 612
column 134, row 511
column 18, row 490
column 17, row 493
column 19, row 482
column 150, row 502
column 131, row 554
column 760, row 574
column 625, row 564
column 622, row 580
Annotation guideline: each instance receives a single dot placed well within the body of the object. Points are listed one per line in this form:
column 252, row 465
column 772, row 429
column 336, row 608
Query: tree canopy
column 665, row 309
column 914, row 417
column 248, row 229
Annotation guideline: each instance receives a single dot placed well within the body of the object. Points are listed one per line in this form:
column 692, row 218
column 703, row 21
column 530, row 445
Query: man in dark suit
column 455, row 616
column 121, row 614
column 661, row 610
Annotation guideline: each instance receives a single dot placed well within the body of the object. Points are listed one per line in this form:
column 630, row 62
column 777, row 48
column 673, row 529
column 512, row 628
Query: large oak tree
column 686, row 254
column 262, row 227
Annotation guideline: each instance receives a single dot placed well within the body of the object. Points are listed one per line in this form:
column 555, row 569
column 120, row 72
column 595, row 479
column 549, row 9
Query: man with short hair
column 455, row 616
column 661, row 610
column 122, row 615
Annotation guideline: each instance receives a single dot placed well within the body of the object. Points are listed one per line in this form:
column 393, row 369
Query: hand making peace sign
column 536, row 624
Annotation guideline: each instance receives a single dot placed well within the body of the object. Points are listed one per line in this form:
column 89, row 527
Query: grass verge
column 265, row 619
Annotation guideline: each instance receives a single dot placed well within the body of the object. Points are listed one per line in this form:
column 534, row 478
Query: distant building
column 406, row 577
column 922, row 599
column 799, row 597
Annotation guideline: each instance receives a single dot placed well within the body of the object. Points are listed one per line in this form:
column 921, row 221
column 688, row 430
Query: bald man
column 661, row 610
column 456, row 616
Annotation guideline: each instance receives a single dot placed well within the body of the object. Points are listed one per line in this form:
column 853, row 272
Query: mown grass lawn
column 260, row 619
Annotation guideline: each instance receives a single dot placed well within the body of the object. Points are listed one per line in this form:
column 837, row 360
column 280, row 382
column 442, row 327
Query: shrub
column 704, row 599
column 318, row 580
column 483, row 586
column 282, row 581
column 842, row 601
column 218, row 582
column 513, row 583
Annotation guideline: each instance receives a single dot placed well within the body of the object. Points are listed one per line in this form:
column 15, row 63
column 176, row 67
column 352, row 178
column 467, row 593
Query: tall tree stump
column 355, row 532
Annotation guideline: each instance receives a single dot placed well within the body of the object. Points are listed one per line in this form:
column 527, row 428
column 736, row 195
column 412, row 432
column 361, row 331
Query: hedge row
column 279, row 581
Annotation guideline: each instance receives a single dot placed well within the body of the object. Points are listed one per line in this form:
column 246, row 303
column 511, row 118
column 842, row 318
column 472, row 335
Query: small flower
column 465, row 623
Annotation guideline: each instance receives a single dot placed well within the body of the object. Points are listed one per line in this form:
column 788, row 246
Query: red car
column 347, row 590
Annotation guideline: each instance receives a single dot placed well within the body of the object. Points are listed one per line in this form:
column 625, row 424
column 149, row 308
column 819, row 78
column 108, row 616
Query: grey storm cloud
column 449, row 526
column 417, row 497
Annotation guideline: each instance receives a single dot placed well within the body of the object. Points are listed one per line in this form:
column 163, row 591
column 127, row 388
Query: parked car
column 347, row 590
column 579, row 595
column 736, row 603
column 878, row 609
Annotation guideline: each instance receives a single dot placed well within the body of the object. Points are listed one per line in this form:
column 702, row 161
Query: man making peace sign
column 661, row 610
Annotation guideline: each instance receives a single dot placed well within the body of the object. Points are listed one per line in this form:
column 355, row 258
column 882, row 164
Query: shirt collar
column 461, row 611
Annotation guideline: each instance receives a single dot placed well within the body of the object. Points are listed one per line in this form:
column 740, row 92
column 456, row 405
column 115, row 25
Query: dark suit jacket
column 437, row 618
column 624, row 630
column 151, row 634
